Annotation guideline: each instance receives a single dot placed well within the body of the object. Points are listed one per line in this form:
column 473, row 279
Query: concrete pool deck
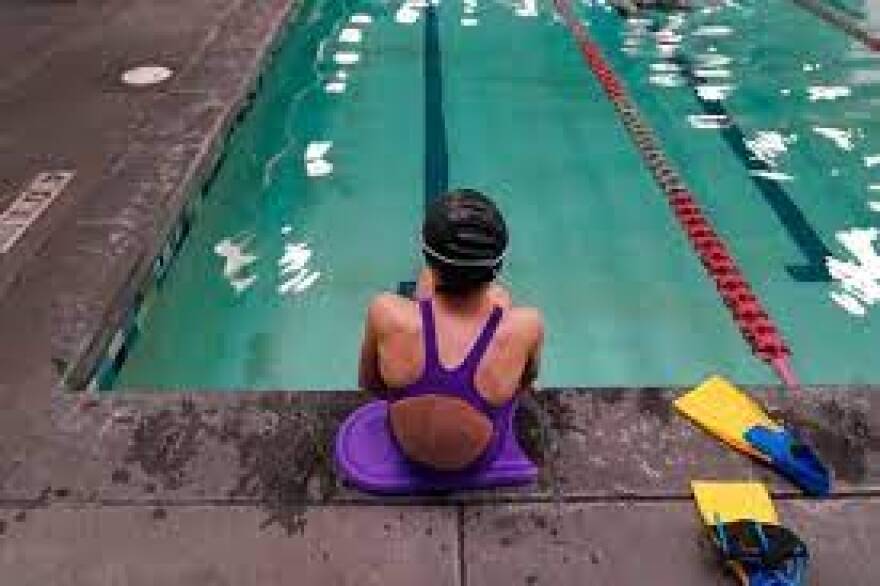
column 218, row 488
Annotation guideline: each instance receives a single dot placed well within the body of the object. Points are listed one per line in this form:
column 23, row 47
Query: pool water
column 372, row 108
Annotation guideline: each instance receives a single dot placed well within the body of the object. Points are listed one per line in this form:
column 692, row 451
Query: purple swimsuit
column 458, row 382
column 369, row 457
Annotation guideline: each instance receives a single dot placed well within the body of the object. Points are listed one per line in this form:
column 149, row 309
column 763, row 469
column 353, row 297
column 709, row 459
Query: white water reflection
column 712, row 73
column 667, row 80
column 409, row 12
column 346, row 57
column 361, row 18
column 665, row 67
column 315, row 161
column 714, row 93
column 768, row 145
column 709, row 121
column 293, row 269
column 712, row 31
column 843, row 138
column 713, row 60
column 818, row 93
column 235, row 261
column 350, row 35
column 527, row 8
column 771, row 175
column 858, row 279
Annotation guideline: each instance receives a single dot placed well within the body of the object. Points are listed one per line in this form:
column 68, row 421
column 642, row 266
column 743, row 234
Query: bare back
column 441, row 430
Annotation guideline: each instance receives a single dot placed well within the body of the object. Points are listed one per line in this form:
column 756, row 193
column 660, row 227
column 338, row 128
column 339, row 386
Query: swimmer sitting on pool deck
column 447, row 367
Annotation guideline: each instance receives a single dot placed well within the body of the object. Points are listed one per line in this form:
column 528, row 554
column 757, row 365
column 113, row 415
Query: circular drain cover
column 146, row 75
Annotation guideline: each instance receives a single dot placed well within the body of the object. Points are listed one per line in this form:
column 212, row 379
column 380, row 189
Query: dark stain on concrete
column 163, row 444
column 654, row 402
column 561, row 416
column 610, row 396
column 530, row 432
column 41, row 501
column 511, row 528
column 61, row 493
column 844, row 438
column 282, row 462
column 120, row 476
column 159, row 514
column 3, row 526
column 531, row 580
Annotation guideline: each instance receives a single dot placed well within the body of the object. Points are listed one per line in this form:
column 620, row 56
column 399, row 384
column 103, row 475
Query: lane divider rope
column 753, row 321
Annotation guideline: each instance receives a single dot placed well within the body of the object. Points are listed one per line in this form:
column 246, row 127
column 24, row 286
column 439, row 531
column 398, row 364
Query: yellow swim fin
column 725, row 412
column 727, row 502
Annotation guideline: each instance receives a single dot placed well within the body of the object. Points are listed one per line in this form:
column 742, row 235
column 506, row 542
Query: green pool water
column 508, row 107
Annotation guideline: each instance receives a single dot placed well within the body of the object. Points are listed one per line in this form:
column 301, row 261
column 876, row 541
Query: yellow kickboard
column 724, row 411
column 733, row 501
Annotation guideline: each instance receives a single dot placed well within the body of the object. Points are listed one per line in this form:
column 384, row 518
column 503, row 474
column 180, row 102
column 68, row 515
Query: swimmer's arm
column 369, row 377
column 533, row 364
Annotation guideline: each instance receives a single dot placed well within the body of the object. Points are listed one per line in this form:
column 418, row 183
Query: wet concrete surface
column 215, row 488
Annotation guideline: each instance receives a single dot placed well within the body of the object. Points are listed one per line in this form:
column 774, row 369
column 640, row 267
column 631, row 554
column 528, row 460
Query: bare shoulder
column 527, row 321
column 389, row 312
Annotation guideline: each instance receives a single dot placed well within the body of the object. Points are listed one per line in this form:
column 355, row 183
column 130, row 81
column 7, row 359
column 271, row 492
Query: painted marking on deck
column 29, row 205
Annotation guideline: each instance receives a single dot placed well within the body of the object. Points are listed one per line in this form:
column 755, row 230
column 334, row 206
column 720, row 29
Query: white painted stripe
column 32, row 202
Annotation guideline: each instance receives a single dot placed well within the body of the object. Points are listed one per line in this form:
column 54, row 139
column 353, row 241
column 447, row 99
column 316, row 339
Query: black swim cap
column 464, row 238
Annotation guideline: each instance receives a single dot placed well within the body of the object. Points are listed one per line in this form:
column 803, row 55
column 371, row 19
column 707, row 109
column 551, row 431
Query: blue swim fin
column 737, row 419
column 792, row 458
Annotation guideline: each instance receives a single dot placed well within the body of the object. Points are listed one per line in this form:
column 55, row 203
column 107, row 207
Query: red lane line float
column 752, row 319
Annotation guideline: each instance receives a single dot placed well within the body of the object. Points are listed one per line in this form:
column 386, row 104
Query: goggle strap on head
column 489, row 263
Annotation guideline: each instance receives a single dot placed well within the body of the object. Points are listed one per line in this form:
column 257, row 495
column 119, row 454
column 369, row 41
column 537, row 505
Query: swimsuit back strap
column 429, row 333
column 472, row 360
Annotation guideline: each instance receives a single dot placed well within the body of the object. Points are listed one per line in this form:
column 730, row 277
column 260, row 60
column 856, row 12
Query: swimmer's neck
column 472, row 302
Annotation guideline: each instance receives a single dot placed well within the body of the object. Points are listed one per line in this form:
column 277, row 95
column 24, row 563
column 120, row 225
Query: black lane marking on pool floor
column 436, row 150
column 436, row 145
column 793, row 220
